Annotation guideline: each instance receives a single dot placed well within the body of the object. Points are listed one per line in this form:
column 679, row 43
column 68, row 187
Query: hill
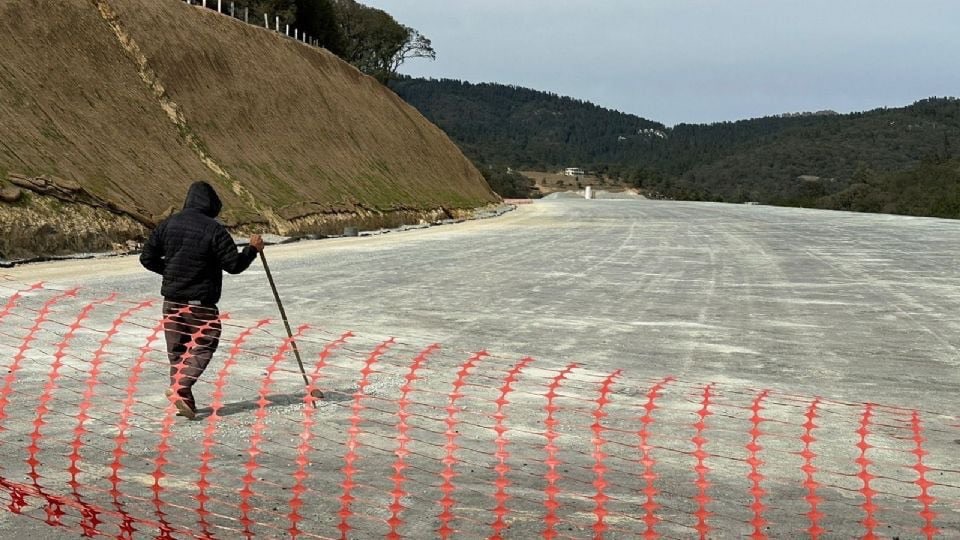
column 499, row 124
column 113, row 107
column 804, row 159
column 820, row 155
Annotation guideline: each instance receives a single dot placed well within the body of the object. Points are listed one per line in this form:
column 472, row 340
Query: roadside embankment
column 113, row 107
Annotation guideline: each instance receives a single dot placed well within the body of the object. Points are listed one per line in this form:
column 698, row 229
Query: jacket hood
column 201, row 196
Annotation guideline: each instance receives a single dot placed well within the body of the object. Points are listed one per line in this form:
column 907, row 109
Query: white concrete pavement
column 853, row 307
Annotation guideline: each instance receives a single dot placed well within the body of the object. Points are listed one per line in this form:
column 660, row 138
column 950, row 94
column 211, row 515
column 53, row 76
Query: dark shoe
column 183, row 408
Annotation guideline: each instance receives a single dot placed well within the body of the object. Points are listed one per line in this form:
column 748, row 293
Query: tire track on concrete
column 767, row 323
column 858, row 274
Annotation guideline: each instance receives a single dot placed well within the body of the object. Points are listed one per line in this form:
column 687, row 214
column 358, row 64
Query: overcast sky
column 697, row 61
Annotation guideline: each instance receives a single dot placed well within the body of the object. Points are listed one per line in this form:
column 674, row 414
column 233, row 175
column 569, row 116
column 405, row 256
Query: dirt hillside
column 117, row 105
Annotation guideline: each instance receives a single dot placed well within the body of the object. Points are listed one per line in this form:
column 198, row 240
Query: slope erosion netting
column 422, row 441
column 134, row 99
column 74, row 107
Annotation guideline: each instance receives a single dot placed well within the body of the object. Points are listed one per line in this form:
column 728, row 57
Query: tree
column 375, row 42
column 285, row 9
column 417, row 45
column 369, row 38
column 318, row 18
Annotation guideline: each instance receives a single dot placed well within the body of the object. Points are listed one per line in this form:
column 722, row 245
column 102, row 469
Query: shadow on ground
column 276, row 400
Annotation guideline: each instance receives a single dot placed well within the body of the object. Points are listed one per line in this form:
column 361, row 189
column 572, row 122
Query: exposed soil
column 113, row 107
column 44, row 225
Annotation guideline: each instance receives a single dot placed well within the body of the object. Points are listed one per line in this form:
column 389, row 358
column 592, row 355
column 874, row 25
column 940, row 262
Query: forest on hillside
column 500, row 124
column 896, row 160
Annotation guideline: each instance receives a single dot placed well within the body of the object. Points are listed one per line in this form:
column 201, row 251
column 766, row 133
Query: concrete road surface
column 854, row 307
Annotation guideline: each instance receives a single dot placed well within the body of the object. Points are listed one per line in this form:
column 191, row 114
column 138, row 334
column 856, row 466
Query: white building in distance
column 573, row 171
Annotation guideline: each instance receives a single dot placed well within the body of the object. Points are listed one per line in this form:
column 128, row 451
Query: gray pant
column 192, row 338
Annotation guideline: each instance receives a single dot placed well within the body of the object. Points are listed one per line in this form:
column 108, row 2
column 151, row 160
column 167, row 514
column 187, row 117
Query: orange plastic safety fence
column 418, row 441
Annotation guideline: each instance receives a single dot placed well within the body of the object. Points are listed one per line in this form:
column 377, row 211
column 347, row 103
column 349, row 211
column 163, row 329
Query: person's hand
column 256, row 242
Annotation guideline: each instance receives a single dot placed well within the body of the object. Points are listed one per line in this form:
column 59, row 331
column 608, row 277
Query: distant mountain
column 821, row 155
column 799, row 159
column 494, row 123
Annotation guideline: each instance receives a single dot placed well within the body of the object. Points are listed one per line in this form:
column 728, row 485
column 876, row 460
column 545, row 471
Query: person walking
column 191, row 250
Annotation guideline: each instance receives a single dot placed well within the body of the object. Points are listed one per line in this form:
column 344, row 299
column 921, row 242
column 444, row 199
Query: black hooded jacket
column 191, row 250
